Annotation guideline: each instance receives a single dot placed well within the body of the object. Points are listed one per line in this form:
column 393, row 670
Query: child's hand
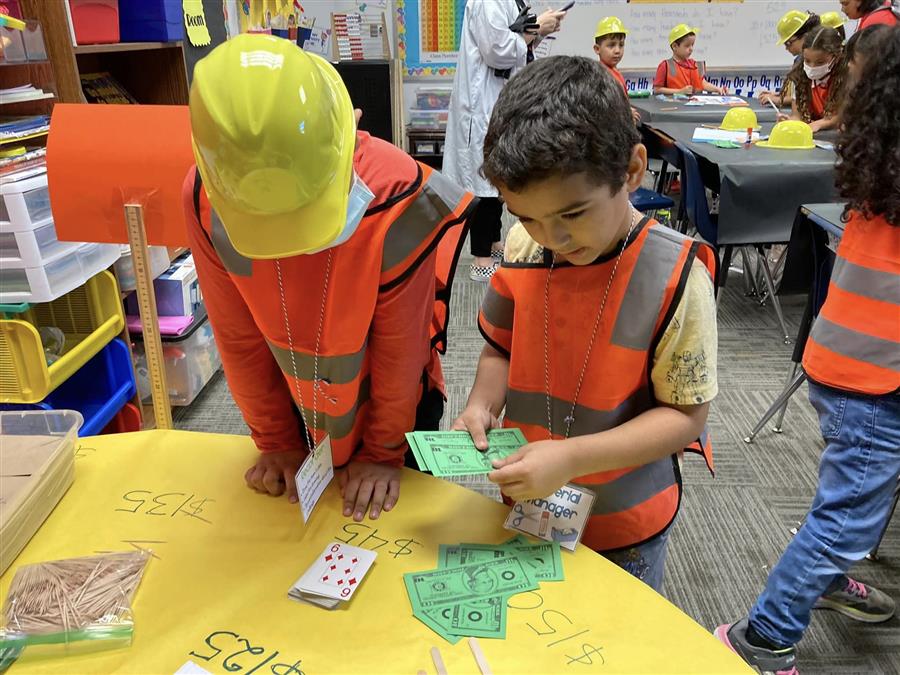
column 816, row 126
column 366, row 485
column 687, row 91
column 767, row 97
column 535, row 470
column 477, row 421
column 274, row 473
column 636, row 116
column 781, row 117
column 723, row 91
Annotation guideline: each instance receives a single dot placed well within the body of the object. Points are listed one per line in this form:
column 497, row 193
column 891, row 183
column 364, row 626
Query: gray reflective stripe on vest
column 338, row 369
column 233, row 261
column 434, row 203
column 531, row 408
column 673, row 68
column 340, row 426
column 643, row 300
column 855, row 345
column 498, row 310
column 864, row 281
column 631, row 489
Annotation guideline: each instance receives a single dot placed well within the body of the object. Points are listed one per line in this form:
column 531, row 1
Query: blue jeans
column 647, row 562
column 857, row 478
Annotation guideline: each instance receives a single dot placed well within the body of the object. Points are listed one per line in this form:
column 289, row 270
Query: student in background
column 819, row 91
column 591, row 293
column 609, row 45
column 792, row 28
column 681, row 74
column 852, row 359
column 870, row 12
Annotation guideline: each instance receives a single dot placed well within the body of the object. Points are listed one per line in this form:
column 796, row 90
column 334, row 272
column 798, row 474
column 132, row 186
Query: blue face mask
column 360, row 198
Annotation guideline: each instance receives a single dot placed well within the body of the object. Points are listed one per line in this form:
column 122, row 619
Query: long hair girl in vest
column 852, row 359
column 600, row 324
column 820, row 86
column 792, row 28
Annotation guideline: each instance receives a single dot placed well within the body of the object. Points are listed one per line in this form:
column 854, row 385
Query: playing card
column 321, row 601
column 337, row 572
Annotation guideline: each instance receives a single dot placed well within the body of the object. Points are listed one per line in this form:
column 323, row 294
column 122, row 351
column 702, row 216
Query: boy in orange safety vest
column 600, row 324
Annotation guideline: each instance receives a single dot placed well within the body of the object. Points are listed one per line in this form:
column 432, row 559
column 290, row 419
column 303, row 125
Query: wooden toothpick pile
column 74, row 594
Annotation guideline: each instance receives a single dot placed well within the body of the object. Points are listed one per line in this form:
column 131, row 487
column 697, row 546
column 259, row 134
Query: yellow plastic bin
column 90, row 316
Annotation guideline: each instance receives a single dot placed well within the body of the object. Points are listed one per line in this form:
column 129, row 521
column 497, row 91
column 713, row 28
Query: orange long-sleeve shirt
column 245, row 310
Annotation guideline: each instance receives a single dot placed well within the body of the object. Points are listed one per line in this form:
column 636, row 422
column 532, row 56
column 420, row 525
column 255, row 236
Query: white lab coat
column 486, row 43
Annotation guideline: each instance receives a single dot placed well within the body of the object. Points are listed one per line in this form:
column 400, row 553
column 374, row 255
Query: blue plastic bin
column 150, row 20
column 98, row 390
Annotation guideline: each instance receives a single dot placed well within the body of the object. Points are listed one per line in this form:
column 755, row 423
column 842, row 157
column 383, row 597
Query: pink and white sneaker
column 763, row 661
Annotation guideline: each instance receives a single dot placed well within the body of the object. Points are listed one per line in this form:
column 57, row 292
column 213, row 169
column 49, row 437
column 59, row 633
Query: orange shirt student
column 681, row 74
column 820, row 87
column 609, row 45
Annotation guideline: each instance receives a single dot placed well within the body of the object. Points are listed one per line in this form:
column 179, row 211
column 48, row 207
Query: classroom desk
column 654, row 110
column 759, row 189
column 217, row 585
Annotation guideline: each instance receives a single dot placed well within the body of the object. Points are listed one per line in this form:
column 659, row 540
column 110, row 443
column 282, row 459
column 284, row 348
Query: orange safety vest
column 618, row 76
column 635, row 504
column 854, row 344
column 396, row 234
column 679, row 76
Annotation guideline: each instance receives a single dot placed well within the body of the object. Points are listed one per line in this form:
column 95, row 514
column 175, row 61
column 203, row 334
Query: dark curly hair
column 828, row 40
column 868, row 168
column 864, row 42
column 561, row 115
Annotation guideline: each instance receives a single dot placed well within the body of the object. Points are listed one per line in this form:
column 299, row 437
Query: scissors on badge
column 517, row 521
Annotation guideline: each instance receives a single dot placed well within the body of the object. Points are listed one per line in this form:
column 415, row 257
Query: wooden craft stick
column 421, row 672
column 438, row 661
column 672, row 108
column 479, row 657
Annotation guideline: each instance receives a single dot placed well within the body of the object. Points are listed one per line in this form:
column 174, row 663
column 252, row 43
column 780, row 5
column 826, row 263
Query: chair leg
column 750, row 290
column 782, row 399
column 727, row 254
column 780, row 418
column 770, row 285
column 873, row 554
column 661, row 178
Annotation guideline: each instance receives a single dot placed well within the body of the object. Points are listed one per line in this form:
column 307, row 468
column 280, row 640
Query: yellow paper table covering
column 216, row 591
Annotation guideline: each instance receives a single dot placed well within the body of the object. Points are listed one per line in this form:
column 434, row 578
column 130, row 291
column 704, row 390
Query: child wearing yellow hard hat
column 791, row 28
column 609, row 45
column 681, row 74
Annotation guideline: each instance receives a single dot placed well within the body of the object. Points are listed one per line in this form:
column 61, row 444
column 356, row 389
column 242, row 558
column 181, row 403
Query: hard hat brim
column 600, row 34
column 674, row 37
column 767, row 144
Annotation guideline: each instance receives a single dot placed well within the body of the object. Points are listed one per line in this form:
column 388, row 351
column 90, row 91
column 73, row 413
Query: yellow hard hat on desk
column 273, row 133
column 789, row 24
column 610, row 25
column 790, row 135
column 680, row 31
column 739, row 119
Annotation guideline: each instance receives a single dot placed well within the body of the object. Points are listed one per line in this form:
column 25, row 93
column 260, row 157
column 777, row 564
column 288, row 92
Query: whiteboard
column 732, row 34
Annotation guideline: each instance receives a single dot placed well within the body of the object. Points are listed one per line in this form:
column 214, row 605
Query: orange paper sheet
column 101, row 157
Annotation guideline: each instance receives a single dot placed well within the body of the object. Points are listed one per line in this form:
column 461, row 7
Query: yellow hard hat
column 273, row 133
column 790, row 23
column 832, row 20
column 740, row 119
column 790, row 135
column 610, row 25
column 680, row 31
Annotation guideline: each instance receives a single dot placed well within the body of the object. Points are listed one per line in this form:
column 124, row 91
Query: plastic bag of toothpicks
column 71, row 606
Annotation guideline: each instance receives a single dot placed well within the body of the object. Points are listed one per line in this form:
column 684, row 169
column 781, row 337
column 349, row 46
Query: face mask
column 816, row 73
column 357, row 203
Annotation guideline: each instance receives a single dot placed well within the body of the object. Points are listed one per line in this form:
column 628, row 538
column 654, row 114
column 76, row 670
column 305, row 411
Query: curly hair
column 828, row 40
column 868, row 168
column 560, row 116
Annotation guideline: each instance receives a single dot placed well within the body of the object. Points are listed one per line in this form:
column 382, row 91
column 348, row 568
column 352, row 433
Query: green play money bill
column 467, row 583
column 453, row 453
column 543, row 559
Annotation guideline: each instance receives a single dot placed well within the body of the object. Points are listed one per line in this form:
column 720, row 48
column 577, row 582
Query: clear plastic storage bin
column 27, row 204
column 428, row 119
column 191, row 361
column 19, row 283
column 433, row 98
column 33, row 248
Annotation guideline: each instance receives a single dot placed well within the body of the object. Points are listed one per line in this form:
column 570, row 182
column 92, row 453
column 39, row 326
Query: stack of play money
column 467, row 594
column 452, row 453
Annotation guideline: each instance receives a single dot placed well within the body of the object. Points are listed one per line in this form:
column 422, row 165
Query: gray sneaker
column 763, row 661
column 859, row 601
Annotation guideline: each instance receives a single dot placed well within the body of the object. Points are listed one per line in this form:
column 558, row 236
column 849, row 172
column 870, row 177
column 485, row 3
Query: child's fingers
column 350, row 489
column 378, row 495
column 291, row 486
column 509, row 459
column 478, row 433
column 273, row 481
column 393, row 494
column 507, row 475
column 458, row 425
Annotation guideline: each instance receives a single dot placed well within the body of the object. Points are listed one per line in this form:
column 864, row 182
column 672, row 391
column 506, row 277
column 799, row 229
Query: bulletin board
column 428, row 35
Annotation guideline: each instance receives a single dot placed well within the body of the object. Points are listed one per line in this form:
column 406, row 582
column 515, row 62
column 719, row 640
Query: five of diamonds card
column 334, row 576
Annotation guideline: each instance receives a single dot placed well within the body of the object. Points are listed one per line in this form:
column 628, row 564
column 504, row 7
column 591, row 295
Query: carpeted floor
column 733, row 527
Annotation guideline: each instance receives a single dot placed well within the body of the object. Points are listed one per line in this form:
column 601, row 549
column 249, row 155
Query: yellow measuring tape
column 137, row 238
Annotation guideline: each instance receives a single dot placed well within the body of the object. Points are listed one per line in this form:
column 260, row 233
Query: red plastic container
column 127, row 419
column 95, row 21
